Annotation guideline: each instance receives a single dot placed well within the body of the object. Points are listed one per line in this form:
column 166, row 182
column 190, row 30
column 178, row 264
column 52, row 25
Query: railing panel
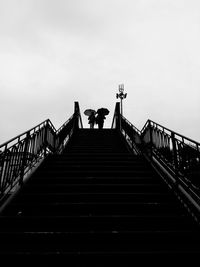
column 20, row 154
column 64, row 132
column 177, row 152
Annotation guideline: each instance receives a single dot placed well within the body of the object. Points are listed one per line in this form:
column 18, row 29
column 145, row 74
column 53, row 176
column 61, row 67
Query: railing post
column 117, row 116
column 55, row 138
column 175, row 156
column 24, row 158
column 151, row 139
column 76, row 112
column 133, row 135
column 45, row 138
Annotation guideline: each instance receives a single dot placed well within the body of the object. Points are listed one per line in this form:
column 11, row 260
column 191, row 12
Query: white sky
column 55, row 52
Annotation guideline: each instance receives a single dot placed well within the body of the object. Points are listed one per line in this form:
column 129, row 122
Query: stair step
column 97, row 188
column 94, row 180
column 94, row 208
column 95, row 197
column 85, row 223
column 105, row 164
column 102, row 243
column 101, row 169
column 100, row 172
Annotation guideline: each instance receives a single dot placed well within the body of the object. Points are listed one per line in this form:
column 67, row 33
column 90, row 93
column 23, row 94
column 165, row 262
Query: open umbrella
column 88, row 112
column 103, row 111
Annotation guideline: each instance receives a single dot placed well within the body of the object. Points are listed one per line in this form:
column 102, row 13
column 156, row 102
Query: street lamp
column 121, row 95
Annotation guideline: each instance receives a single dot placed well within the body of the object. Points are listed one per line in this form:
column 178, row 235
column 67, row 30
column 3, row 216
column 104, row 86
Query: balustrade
column 22, row 153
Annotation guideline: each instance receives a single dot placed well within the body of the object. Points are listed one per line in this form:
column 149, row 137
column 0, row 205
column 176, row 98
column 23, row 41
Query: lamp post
column 121, row 95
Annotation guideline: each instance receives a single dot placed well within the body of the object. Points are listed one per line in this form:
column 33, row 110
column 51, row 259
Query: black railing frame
column 172, row 170
column 176, row 144
column 131, row 134
column 22, row 154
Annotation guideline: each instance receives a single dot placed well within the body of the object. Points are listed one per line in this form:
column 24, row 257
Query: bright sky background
column 55, row 52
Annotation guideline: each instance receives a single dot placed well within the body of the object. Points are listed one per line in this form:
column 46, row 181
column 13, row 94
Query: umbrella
column 103, row 111
column 88, row 112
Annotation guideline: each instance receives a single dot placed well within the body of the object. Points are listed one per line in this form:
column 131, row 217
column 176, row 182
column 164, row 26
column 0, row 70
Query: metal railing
column 131, row 134
column 129, row 131
column 64, row 133
column 178, row 155
column 21, row 154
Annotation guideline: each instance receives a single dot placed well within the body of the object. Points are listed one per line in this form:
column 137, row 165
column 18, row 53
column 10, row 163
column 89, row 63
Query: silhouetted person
column 92, row 120
column 100, row 120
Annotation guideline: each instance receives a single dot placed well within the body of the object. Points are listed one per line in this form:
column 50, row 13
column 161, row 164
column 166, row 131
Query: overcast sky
column 55, row 52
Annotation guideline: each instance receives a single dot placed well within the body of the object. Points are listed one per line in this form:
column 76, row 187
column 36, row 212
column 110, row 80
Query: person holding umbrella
column 101, row 117
column 91, row 117
column 92, row 120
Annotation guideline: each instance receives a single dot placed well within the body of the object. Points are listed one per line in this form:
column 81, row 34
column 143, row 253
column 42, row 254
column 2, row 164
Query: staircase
column 97, row 199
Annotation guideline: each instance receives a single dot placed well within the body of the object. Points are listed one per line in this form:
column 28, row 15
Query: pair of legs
column 100, row 125
column 91, row 125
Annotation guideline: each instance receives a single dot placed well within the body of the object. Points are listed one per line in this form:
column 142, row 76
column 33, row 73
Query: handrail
column 64, row 133
column 131, row 133
column 178, row 155
column 24, row 133
column 21, row 154
column 167, row 129
column 178, row 152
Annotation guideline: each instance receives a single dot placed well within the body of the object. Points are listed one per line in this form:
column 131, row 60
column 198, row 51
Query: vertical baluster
column 3, row 168
column 175, row 155
column 151, row 138
column 133, row 137
column 118, row 117
column 23, row 165
column 45, row 138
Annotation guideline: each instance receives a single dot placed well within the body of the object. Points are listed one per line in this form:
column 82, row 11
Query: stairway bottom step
column 107, row 242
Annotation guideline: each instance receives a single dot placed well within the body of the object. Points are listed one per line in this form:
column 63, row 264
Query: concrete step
column 99, row 223
column 43, row 180
column 95, row 188
column 92, row 208
column 95, row 197
column 104, row 243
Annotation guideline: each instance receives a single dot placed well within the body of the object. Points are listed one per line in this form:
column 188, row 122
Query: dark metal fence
column 178, row 152
column 132, row 134
column 174, row 151
column 21, row 154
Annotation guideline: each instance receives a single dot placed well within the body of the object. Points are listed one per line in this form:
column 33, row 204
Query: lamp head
column 121, row 88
